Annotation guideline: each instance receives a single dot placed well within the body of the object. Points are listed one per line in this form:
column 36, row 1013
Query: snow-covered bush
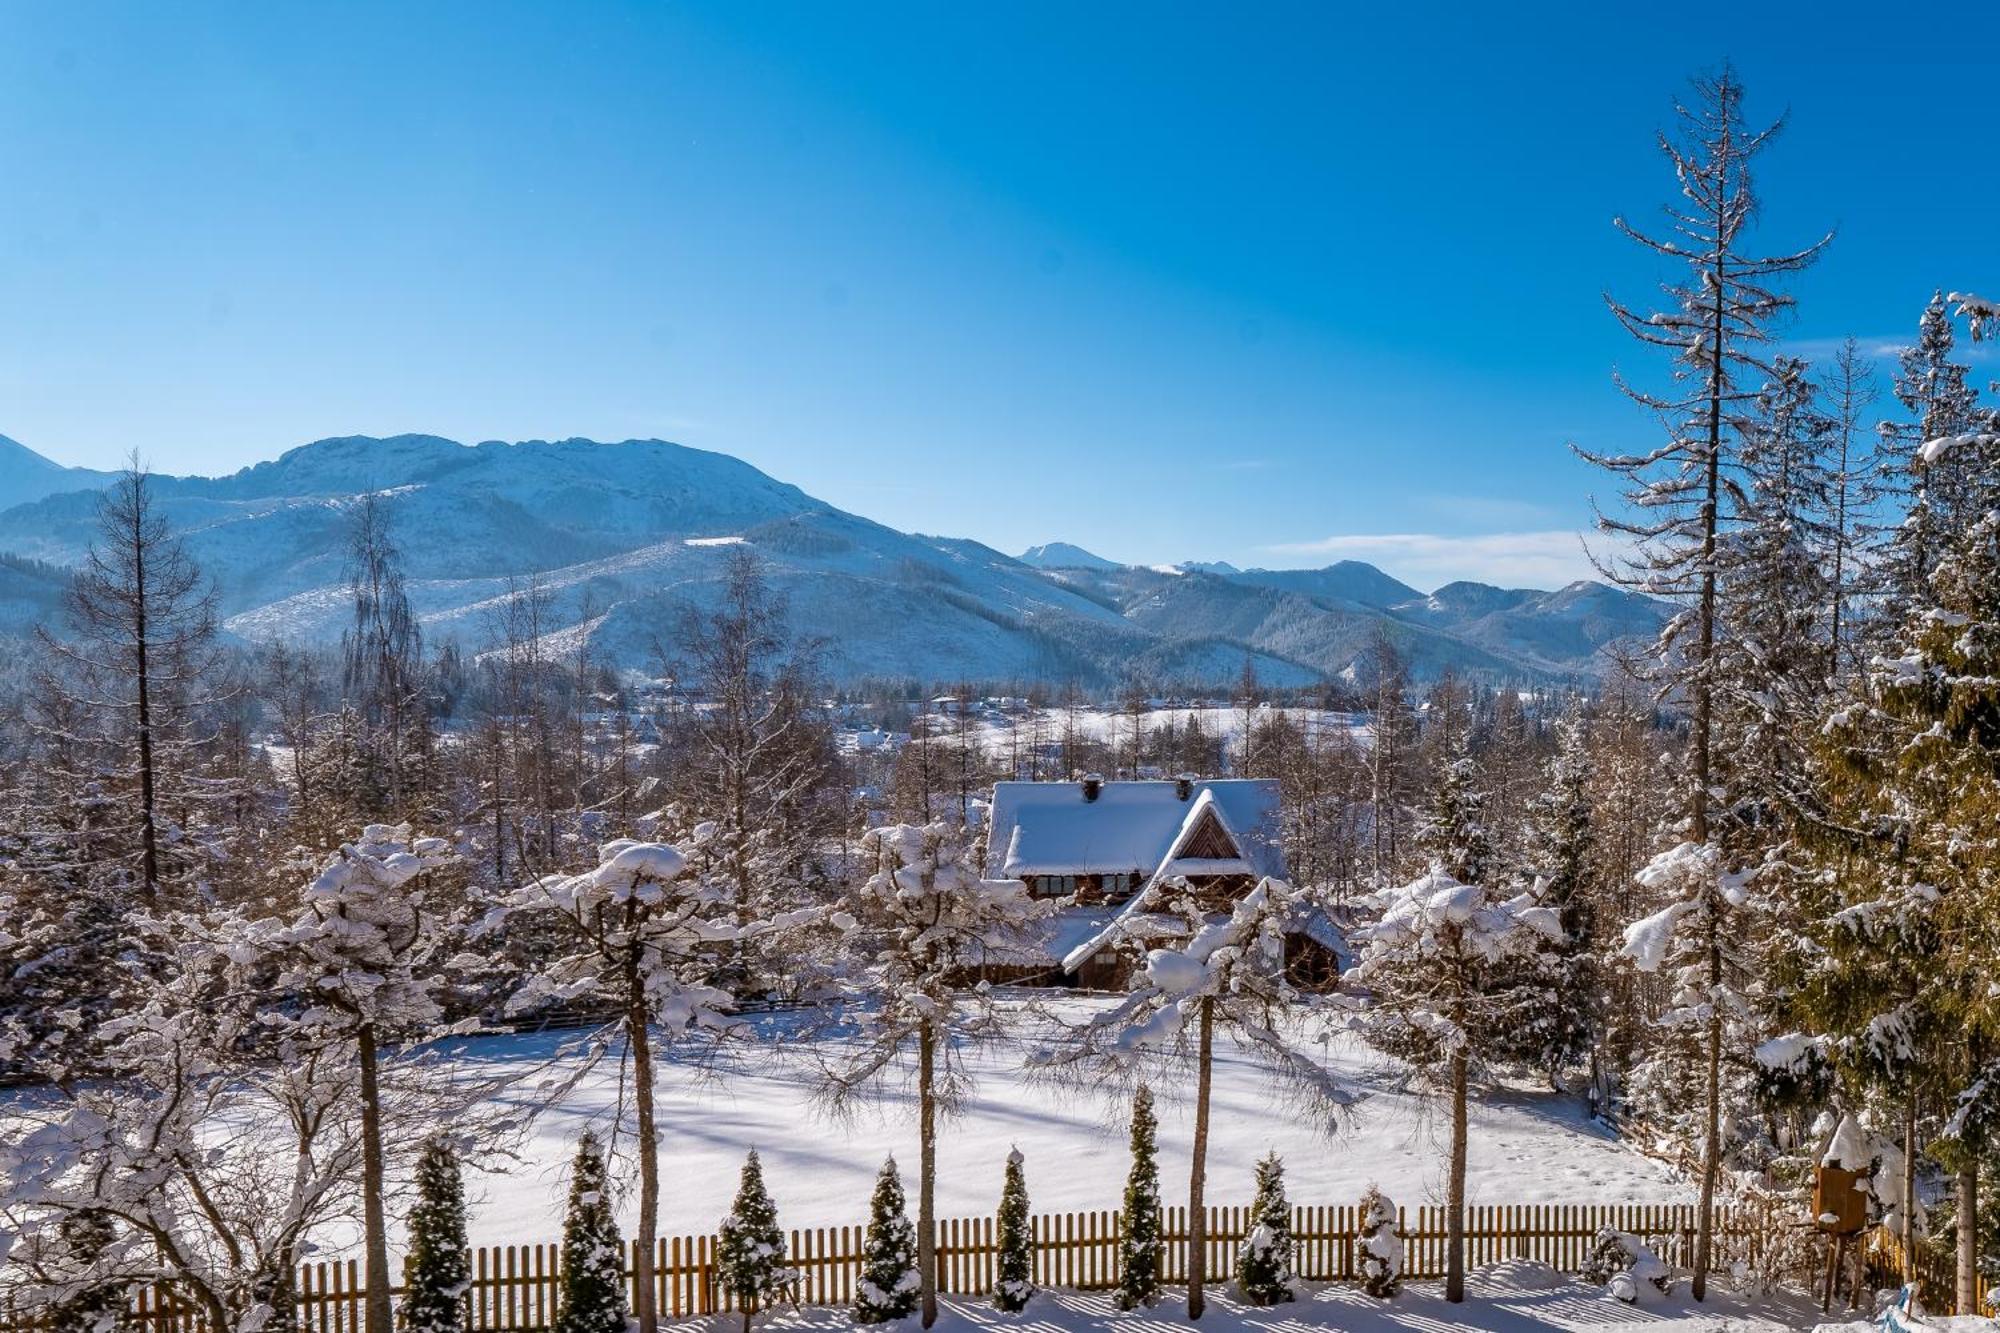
column 1378, row 1250
column 888, row 1287
column 1015, row 1281
column 592, row 1295
column 1139, row 1238
column 440, row 1260
column 1264, row 1264
column 1620, row 1263
column 750, row 1248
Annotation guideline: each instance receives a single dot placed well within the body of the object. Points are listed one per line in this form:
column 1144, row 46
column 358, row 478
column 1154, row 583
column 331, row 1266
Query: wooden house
column 1097, row 846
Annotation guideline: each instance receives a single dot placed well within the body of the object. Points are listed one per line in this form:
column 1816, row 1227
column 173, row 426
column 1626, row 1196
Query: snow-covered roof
column 1049, row 828
column 1202, row 806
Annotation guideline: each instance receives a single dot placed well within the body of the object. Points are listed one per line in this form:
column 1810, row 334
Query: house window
column 1054, row 886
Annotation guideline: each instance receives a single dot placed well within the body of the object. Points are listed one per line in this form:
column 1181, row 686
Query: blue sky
column 1273, row 284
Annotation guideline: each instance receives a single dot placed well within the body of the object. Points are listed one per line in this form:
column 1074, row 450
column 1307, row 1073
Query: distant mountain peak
column 1063, row 555
column 26, row 476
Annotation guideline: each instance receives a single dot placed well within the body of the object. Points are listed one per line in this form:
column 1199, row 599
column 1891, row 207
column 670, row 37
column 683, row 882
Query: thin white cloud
column 1428, row 560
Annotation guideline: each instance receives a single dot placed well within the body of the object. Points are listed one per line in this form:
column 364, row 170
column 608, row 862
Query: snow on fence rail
column 514, row 1287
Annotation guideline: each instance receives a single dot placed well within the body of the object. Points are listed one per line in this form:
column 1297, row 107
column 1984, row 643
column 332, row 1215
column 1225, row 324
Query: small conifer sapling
column 889, row 1287
column 592, row 1297
column 440, row 1263
column 1139, row 1238
column 1015, row 1282
column 1264, row 1265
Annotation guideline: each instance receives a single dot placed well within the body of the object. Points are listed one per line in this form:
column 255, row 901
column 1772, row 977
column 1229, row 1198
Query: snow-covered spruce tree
column 1226, row 972
column 1717, row 320
column 1014, row 1281
column 1264, row 1264
column 1565, row 1018
column 1435, row 981
column 750, row 1248
column 1378, row 1250
column 1139, row 1239
column 1921, row 781
column 889, row 1287
column 915, row 924
column 1771, row 664
column 591, row 1298
column 362, row 947
column 1452, row 832
column 1919, row 505
column 440, row 1260
column 1849, row 389
column 648, row 941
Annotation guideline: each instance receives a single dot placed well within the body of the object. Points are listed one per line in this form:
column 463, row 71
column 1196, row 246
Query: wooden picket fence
column 1935, row 1272
column 514, row 1287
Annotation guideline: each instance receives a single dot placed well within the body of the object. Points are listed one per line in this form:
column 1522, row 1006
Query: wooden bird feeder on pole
column 1840, row 1200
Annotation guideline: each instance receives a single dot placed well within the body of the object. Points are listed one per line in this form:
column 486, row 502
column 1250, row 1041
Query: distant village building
column 1094, row 845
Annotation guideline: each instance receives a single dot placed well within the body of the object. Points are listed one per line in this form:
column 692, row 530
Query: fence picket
column 517, row 1287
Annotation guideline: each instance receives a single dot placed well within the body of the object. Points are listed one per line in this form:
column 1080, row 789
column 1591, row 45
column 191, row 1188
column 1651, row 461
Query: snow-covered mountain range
column 622, row 536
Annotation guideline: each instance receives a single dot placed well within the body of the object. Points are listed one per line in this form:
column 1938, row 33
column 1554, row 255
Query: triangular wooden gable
column 1208, row 841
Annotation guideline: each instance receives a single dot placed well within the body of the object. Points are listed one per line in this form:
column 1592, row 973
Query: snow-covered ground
column 1527, row 1147
column 1513, row 1297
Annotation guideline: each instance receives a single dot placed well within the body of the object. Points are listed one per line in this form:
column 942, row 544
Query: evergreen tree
column 888, row 1288
column 1264, row 1265
column 1453, row 833
column 440, row 1260
column 1922, row 504
column 1564, row 1020
column 1378, row 1249
column 750, row 1249
column 1016, row 1280
column 1771, row 663
column 1139, row 1242
column 592, row 1296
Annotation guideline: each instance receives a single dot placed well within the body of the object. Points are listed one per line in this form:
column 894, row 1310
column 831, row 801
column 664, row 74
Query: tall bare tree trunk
column 378, row 1315
column 1454, row 1194
column 149, row 837
column 1910, row 1184
column 1711, row 1150
column 1198, row 1173
column 644, row 1308
column 927, row 1172
column 1704, row 726
column 1966, row 1199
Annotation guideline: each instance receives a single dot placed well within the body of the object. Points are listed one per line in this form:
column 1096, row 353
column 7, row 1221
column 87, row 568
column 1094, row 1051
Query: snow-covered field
column 1112, row 727
column 1514, row 1297
column 1527, row 1147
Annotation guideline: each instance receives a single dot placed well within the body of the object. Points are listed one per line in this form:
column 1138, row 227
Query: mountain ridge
column 619, row 537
